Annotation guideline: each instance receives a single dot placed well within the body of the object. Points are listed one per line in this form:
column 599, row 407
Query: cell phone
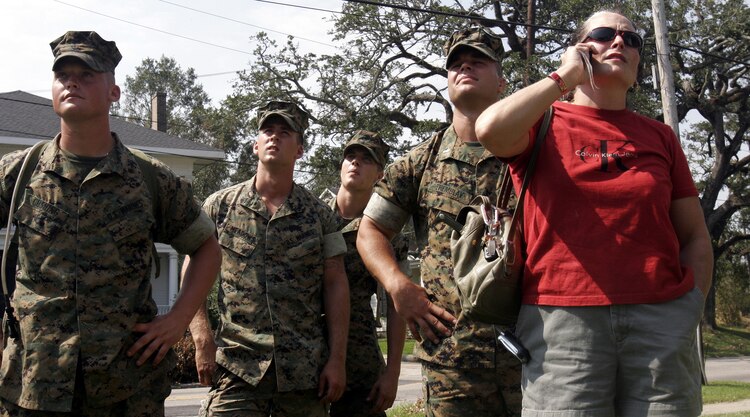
column 514, row 346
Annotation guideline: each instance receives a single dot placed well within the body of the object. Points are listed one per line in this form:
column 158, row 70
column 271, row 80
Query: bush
column 185, row 372
column 732, row 291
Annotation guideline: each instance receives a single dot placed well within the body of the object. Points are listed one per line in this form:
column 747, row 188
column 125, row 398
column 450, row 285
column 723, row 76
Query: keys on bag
column 491, row 217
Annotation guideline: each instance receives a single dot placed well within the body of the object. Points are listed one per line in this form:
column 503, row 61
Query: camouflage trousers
column 147, row 403
column 232, row 396
column 354, row 404
column 477, row 392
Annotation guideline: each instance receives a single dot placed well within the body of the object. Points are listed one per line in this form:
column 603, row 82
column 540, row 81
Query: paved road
column 728, row 369
column 185, row 402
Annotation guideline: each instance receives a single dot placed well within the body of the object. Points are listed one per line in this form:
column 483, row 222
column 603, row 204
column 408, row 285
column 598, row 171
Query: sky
column 151, row 28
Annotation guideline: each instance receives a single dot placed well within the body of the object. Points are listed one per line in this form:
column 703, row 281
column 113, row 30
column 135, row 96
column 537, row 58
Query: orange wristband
column 560, row 82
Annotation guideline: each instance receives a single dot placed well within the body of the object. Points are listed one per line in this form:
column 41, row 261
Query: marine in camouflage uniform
column 282, row 267
column 468, row 372
column 371, row 385
column 86, row 228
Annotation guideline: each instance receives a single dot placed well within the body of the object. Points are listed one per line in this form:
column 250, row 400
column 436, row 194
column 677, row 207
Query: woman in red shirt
column 619, row 256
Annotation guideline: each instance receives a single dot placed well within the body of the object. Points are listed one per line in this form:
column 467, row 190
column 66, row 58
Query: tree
column 713, row 79
column 189, row 114
column 187, row 102
column 390, row 78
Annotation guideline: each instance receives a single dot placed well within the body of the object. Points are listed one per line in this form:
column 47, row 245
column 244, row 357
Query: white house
column 25, row 119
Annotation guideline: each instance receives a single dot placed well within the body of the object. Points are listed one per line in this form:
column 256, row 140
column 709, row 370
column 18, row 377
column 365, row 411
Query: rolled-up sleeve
column 333, row 245
column 385, row 213
column 193, row 237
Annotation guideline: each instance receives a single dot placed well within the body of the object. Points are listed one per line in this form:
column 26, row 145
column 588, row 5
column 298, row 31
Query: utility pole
column 666, row 78
column 530, row 20
column 669, row 106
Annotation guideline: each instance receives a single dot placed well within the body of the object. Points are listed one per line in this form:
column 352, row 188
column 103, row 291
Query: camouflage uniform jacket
column 440, row 175
column 364, row 360
column 85, row 274
column 271, row 284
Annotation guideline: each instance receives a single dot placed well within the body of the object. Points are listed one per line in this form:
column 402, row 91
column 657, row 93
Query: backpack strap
column 10, row 246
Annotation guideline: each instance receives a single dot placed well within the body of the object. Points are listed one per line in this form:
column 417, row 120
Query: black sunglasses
column 605, row 34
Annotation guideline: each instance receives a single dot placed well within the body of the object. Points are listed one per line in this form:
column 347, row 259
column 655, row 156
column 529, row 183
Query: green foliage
column 407, row 410
column 732, row 290
column 185, row 371
column 187, row 102
column 212, row 306
column 189, row 115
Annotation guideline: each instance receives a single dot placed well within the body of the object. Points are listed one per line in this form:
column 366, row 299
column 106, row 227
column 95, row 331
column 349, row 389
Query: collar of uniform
column 448, row 148
column 349, row 225
column 115, row 162
column 292, row 204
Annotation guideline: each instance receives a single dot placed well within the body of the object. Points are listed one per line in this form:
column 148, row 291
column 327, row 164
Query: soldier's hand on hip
column 158, row 337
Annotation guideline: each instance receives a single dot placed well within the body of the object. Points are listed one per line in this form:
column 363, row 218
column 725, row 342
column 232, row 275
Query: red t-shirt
column 596, row 215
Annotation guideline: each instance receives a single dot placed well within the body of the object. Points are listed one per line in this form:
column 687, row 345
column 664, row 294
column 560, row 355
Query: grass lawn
column 727, row 341
column 408, row 346
column 406, row 410
column 725, row 391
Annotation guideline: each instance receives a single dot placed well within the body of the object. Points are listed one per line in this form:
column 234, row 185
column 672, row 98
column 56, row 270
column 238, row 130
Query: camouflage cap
column 372, row 142
column 478, row 38
column 290, row 112
column 89, row 47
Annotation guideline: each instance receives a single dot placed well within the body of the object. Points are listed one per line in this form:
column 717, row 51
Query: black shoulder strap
column 10, row 247
column 149, row 176
column 540, row 136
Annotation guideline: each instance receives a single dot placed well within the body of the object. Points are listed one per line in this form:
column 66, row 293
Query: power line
column 418, row 10
column 368, row 2
column 245, row 23
column 317, row 9
column 454, row 14
column 481, row 18
column 217, row 73
column 297, row 6
column 154, row 29
column 720, row 58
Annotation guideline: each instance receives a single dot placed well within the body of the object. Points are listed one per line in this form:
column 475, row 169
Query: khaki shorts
column 480, row 392
column 232, row 396
column 620, row 360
